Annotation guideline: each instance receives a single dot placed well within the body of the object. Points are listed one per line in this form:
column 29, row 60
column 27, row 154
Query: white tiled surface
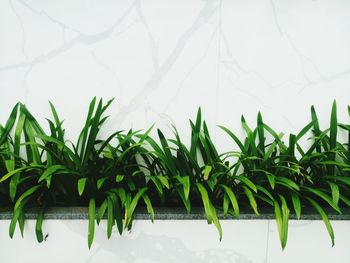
column 308, row 241
column 244, row 241
column 162, row 59
column 164, row 241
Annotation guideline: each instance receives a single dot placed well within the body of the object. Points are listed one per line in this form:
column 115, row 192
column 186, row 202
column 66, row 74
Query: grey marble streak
column 303, row 58
column 208, row 9
column 81, row 38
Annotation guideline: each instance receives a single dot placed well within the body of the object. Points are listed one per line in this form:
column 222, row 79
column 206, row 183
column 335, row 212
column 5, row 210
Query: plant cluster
column 115, row 175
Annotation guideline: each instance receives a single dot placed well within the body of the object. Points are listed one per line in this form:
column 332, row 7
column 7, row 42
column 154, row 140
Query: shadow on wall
column 154, row 248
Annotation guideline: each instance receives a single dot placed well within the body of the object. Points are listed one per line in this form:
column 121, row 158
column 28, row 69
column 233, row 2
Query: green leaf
column 38, row 226
column 16, row 215
column 324, row 196
column 232, row 198
column 10, row 165
column 100, row 182
column 345, row 200
column 14, row 181
column 267, row 193
column 195, row 133
column 292, row 141
column 304, row 131
column 225, row 204
column 164, row 181
column 91, row 230
column 93, row 131
column 168, row 156
column 251, row 136
column 282, row 216
column 270, row 177
column 157, row 183
column 333, row 135
column 118, row 215
column 130, row 210
column 145, row 135
column 122, row 195
column 287, row 182
column 21, row 220
column 209, row 208
column 276, row 136
column 101, row 211
column 185, row 181
column 207, row 170
column 149, row 206
column 204, row 149
column 285, row 215
column 261, row 135
column 57, row 122
column 296, row 204
column 119, row 178
column 235, row 138
column 330, row 162
column 186, row 201
column 273, row 147
column 343, row 179
column 247, row 182
column 9, row 124
column 29, row 133
column 316, row 127
column 110, row 218
column 279, row 219
column 18, row 133
column 81, row 185
column 62, row 146
column 333, row 127
column 50, row 170
column 84, row 133
column 324, row 218
column 251, row 200
column 18, row 170
column 27, row 193
column 335, row 192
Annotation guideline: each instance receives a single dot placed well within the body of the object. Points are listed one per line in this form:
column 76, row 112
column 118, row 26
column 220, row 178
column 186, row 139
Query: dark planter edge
column 162, row 213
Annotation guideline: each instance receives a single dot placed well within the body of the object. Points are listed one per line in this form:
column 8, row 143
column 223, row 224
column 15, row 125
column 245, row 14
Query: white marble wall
column 179, row 241
column 161, row 59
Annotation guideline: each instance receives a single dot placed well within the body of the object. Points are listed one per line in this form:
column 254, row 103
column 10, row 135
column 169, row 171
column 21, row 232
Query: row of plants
column 113, row 176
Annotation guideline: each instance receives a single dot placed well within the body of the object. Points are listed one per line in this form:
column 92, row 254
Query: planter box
column 175, row 237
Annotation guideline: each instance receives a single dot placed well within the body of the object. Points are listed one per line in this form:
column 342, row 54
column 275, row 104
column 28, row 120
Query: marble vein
column 205, row 13
column 83, row 39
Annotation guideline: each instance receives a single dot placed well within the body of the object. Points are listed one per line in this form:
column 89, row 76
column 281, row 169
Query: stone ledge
column 161, row 213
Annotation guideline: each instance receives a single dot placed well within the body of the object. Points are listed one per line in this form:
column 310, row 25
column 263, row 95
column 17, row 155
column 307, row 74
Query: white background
column 161, row 60
column 177, row 241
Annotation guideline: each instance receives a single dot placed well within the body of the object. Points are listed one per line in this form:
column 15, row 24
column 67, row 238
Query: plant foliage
column 113, row 176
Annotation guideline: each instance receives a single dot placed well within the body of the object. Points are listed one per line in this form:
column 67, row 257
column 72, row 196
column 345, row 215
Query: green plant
column 111, row 175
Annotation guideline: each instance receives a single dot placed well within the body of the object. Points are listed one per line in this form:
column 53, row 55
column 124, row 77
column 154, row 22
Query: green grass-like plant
column 113, row 176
